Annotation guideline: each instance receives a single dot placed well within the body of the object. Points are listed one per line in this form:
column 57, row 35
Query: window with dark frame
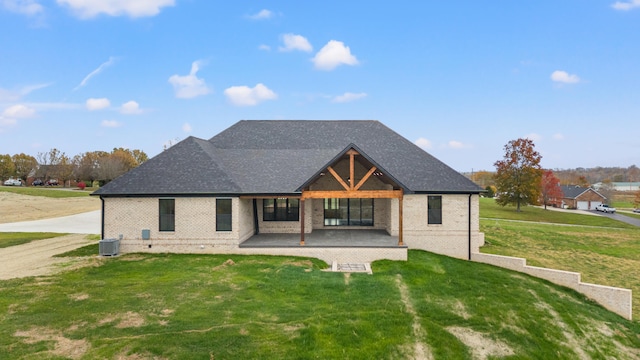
column 281, row 209
column 223, row 215
column 435, row 209
column 348, row 212
column 167, row 214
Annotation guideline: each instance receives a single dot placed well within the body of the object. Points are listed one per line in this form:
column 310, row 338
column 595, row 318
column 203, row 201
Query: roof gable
column 280, row 156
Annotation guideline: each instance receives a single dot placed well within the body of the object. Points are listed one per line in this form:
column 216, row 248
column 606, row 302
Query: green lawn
column 12, row 239
column 47, row 192
column 175, row 306
column 604, row 251
column 490, row 210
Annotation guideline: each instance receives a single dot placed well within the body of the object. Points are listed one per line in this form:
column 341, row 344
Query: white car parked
column 13, row 182
column 605, row 208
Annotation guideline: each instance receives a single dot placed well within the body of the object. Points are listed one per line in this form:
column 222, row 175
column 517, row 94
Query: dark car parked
column 37, row 182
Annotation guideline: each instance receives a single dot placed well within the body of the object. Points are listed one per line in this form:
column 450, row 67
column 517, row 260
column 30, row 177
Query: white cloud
column 534, row 137
column 15, row 95
column 558, row 136
column 423, row 143
column 97, row 104
column 348, row 97
column 130, row 108
column 186, row 127
column 264, row 47
column 95, row 72
column 189, row 86
column 86, row 9
column 454, row 144
column 332, row 55
column 564, row 77
column 24, row 7
column 246, row 96
column 110, row 123
column 18, row 111
column 295, row 42
column 626, row 6
column 261, row 15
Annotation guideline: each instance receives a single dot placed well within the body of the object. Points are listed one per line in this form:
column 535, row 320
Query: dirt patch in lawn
column 36, row 258
column 63, row 347
column 17, row 207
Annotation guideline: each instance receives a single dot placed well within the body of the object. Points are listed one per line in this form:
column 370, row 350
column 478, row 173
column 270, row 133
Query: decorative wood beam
column 365, row 178
column 364, row 194
column 352, row 170
column 400, row 240
column 335, row 175
column 269, row 196
column 302, row 222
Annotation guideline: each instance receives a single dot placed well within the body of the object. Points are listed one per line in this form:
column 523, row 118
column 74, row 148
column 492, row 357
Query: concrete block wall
column 617, row 300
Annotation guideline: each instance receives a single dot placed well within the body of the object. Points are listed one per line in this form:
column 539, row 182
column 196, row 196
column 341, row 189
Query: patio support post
column 301, row 222
column 400, row 242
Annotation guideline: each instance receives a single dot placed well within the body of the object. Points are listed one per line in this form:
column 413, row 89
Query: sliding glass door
column 348, row 212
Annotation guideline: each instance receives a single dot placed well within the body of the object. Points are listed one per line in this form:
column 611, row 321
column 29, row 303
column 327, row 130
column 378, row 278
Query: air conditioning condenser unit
column 109, row 247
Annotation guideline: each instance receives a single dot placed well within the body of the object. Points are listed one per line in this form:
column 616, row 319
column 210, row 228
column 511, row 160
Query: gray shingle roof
column 278, row 157
column 573, row 191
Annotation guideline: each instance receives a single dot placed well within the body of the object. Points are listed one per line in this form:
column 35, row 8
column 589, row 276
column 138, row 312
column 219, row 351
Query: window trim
column 434, row 215
column 172, row 215
column 230, row 215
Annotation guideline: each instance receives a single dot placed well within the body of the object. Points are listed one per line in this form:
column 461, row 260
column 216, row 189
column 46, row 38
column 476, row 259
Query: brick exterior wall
column 195, row 224
column 449, row 238
column 590, row 195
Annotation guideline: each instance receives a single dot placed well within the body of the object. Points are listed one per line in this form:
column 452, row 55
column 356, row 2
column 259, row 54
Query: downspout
column 102, row 219
column 470, row 226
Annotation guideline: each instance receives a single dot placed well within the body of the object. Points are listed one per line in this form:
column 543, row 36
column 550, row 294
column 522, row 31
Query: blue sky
column 460, row 79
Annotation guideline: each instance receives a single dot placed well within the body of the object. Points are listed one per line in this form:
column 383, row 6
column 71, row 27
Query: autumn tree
column 518, row 174
column 24, row 165
column 550, row 190
column 636, row 201
column 48, row 163
column 7, row 167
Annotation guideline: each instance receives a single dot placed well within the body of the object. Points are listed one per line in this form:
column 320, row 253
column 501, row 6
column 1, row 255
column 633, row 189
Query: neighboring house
column 581, row 198
column 346, row 190
column 620, row 186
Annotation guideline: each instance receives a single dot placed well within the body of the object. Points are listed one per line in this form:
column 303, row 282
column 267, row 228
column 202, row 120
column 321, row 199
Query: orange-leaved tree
column 518, row 174
column 550, row 190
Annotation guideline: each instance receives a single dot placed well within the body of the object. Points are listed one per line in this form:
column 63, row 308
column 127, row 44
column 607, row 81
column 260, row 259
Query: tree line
column 100, row 166
column 520, row 180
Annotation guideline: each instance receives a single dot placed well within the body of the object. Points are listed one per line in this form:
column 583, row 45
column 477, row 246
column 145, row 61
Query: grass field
column 47, row 192
column 228, row 307
column 252, row 307
column 604, row 251
column 13, row 239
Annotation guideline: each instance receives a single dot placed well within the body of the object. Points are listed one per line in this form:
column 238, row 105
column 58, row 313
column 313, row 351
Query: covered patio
column 327, row 238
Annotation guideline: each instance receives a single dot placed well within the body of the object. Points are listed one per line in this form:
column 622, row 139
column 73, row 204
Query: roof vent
column 109, row 247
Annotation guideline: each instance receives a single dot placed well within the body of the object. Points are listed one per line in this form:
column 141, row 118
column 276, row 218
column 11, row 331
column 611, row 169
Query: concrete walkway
column 85, row 223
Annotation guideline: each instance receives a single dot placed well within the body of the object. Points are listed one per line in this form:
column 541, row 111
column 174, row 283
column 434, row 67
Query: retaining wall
column 617, row 300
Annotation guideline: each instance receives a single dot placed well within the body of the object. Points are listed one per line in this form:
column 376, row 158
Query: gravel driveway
column 85, row 223
column 36, row 258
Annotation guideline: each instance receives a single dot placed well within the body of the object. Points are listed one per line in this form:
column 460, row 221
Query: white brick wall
column 195, row 222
